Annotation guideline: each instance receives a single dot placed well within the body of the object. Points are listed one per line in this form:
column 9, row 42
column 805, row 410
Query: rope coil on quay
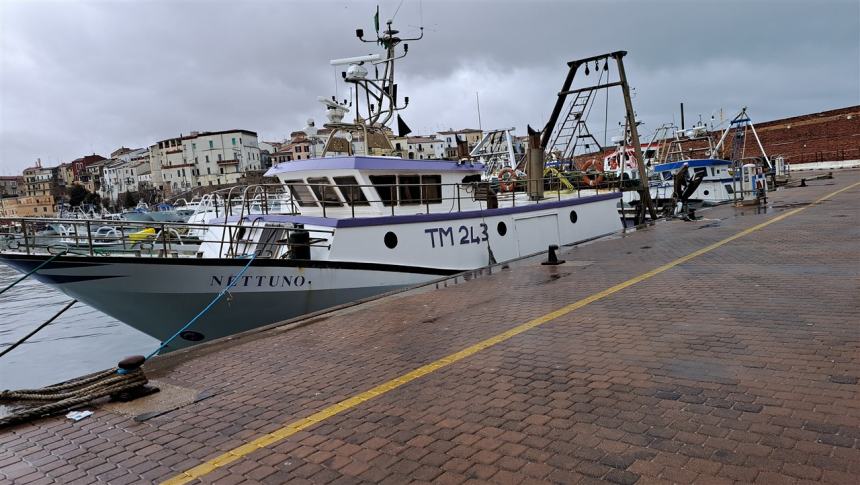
column 80, row 391
column 124, row 383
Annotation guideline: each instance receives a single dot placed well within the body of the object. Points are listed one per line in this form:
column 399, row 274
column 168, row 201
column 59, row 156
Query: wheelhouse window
column 350, row 190
column 385, row 186
column 703, row 171
column 301, row 193
column 324, row 191
column 432, row 187
column 410, row 189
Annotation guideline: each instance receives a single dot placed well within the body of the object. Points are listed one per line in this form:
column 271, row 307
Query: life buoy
column 507, row 179
column 597, row 180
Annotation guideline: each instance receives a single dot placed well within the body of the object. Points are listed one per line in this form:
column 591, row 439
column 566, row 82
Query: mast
column 381, row 101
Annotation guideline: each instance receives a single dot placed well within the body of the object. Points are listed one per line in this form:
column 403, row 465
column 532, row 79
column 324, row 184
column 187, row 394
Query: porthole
column 573, row 217
column 502, row 229
column 192, row 336
column 390, row 240
column 707, row 192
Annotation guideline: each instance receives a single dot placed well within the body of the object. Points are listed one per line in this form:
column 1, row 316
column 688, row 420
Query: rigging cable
column 397, row 10
column 37, row 268
column 40, row 327
column 230, row 284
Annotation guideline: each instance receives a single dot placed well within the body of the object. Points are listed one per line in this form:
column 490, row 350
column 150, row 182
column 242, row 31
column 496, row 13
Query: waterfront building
column 9, row 185
column 29, row 206
column 128, row 170
column 208, row 158
column 39, row 180
column 8, row 207
column 449, row 137
column 91, row 176
column 65, row 176
column 267, row 149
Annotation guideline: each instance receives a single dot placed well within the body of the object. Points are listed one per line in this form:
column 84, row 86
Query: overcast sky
column 84, row 77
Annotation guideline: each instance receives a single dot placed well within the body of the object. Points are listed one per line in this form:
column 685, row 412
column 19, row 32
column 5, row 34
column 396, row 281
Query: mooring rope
column 37, row 268
column 212, row 303
column 112, row 386
column 128, row 380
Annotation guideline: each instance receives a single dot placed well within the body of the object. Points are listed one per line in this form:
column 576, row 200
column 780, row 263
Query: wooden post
column 90, row 237
column 535, row 166
column 644, row 193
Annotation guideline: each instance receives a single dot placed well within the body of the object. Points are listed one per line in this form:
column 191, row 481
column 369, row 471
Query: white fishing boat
column 346, row 227
column 365, row 225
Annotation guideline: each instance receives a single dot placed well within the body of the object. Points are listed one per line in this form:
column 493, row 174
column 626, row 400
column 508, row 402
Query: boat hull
column 158, row 296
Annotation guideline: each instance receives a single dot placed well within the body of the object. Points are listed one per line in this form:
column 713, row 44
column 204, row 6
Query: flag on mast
column 376, row 19
column 402, row 128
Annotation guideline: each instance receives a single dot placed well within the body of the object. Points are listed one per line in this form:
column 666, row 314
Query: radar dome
column 356, row 73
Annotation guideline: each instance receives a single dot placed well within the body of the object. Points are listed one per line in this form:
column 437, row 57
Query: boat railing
column 237, row 201
column 242, row 201
column 156, row 239
column 358, row 197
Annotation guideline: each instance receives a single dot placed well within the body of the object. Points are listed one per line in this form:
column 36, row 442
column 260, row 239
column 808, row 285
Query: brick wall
column 818, row 137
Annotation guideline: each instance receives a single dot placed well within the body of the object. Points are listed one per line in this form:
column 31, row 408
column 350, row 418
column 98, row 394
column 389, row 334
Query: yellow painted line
column 319, row 416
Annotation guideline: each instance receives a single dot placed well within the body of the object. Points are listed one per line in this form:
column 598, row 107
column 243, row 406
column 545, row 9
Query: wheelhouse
column 377, row 185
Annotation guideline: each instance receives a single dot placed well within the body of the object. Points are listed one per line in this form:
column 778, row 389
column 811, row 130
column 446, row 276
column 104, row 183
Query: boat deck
column 721, row 350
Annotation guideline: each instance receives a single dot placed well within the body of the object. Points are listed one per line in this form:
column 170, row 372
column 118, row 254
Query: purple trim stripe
column 446, row 216
column 373, row 163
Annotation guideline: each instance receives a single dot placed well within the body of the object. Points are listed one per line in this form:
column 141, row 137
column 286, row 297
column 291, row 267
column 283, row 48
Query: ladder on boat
column 739, row 144
column 573, row 129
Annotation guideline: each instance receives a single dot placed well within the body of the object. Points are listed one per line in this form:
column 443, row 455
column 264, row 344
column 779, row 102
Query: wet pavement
column 717, row 351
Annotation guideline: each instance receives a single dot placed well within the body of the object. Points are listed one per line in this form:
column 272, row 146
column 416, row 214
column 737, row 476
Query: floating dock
column 715, row 351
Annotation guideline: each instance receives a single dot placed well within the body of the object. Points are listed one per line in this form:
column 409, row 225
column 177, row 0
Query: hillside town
column 185, row 166
column 191, row 164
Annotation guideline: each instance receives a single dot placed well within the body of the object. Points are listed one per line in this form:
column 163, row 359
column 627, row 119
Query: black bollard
column 803, row 182
column 551, row 258
column 131, row 363
column 130, row 392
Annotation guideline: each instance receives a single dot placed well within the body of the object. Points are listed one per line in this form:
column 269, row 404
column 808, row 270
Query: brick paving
column 740, row 365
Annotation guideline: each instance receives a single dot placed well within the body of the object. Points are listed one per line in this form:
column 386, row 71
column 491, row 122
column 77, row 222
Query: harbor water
column 80, row 341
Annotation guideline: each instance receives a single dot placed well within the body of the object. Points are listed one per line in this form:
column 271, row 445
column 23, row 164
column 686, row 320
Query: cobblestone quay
column 717, row 351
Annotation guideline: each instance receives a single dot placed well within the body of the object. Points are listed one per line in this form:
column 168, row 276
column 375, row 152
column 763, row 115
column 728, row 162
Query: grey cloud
column 82, row 77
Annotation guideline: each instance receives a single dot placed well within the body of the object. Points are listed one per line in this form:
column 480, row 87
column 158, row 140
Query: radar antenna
column 378, row 104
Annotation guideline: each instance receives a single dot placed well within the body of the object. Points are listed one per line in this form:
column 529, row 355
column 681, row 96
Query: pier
column 721, row 350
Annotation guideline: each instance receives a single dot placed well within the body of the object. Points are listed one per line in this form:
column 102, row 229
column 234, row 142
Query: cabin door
column 535, row 233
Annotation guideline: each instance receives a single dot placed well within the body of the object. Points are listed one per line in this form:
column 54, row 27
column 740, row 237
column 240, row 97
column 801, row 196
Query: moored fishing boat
column 366, row 225
column 336, row 229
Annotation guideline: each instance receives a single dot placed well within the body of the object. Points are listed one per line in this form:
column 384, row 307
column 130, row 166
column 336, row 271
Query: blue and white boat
column 717, row 186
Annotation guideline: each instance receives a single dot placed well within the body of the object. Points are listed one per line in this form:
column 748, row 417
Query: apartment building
column 39, row 180
column 208, row 158
column 9, row 185
column 449, row 137
column 128, row 170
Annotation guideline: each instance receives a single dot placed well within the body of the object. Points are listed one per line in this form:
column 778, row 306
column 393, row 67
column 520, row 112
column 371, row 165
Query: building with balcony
column 9, row 185
column 208, row 158
column 40, row 181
